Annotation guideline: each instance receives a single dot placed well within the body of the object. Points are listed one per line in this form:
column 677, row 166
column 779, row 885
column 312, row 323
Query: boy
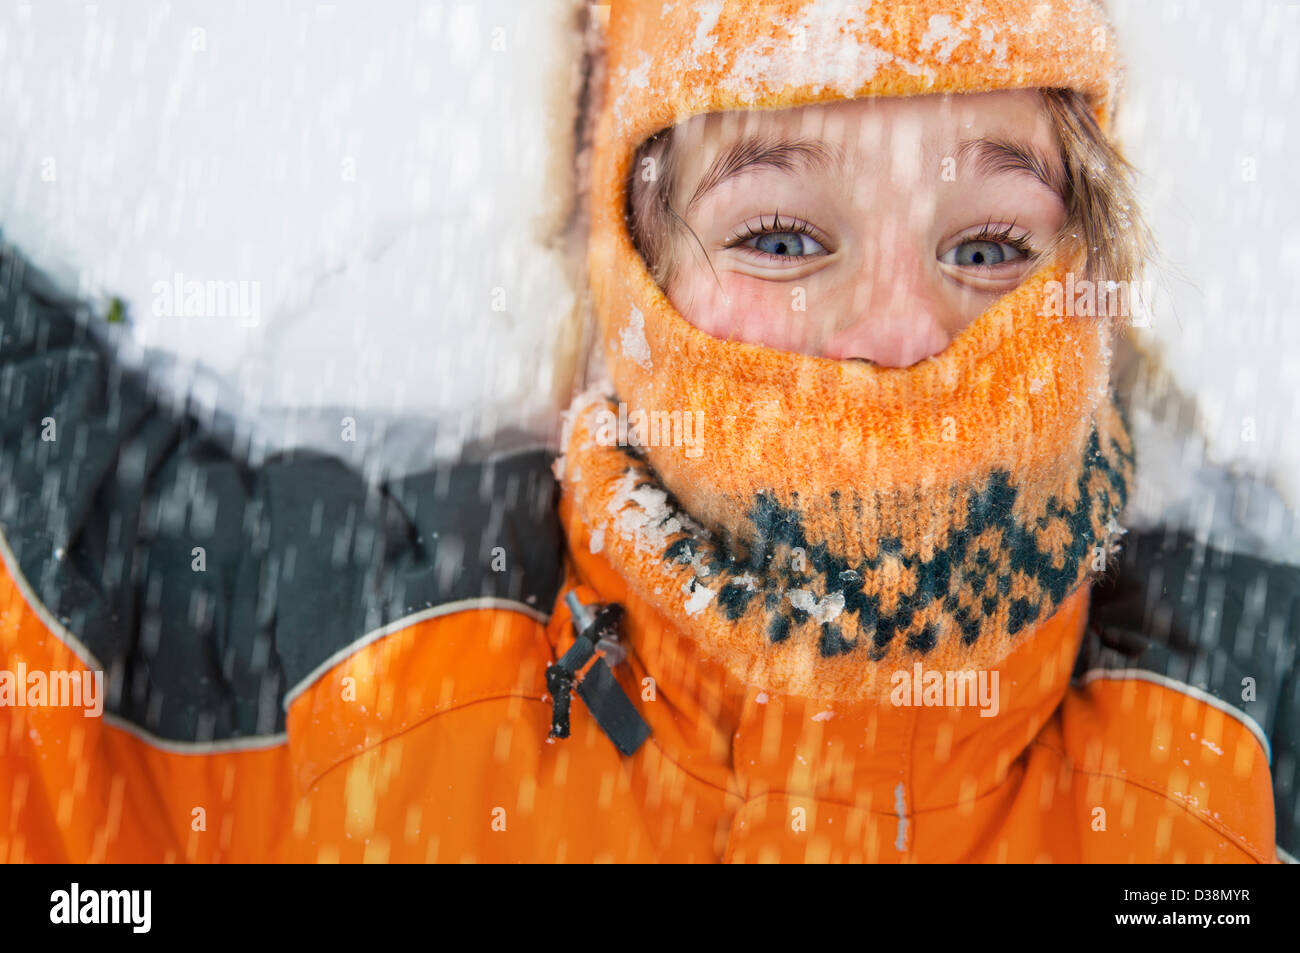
column 841, row 624
column 974, row 185
column 838, row 236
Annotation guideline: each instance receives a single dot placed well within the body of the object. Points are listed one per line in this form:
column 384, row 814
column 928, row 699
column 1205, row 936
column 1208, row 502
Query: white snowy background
column 1210, row 121
column 398, row 178
column 393, row 176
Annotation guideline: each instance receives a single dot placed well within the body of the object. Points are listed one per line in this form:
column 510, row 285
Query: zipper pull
column 598, row 688
column 607, row 637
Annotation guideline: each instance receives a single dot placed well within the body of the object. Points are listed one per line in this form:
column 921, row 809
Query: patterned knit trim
column 792, row 615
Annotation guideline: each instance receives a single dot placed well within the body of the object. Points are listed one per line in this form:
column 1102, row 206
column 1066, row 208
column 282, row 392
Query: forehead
column 859, row 128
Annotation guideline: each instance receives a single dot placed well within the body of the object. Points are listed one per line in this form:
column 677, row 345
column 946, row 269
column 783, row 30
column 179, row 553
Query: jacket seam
column 848, row 805
column 502, row 696
column 1239, row 840
column 1180, row 687
column 541, row 699
column 695, row 777
column 398, row 626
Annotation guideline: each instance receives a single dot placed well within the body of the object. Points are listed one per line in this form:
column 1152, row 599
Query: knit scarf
column 816, row 525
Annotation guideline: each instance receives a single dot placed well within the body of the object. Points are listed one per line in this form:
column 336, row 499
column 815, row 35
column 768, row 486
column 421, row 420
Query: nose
column 897, row 321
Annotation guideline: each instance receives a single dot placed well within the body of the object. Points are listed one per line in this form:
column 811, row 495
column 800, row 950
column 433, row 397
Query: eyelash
column 795, row 225
column 1003, row 236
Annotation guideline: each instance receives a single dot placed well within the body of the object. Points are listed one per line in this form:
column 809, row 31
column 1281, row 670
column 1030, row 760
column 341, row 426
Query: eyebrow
column 751, row 152
column 991, row 155
column 994, row 156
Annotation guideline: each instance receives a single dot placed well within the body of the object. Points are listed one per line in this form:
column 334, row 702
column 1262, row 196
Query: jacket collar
column 906, row 748
column 887, row 754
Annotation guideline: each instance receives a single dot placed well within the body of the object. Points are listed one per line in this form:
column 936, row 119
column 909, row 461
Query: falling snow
column 309, row 563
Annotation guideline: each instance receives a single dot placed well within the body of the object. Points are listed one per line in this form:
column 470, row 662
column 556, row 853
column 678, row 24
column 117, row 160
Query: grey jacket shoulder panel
column 1215, row 624
column 207, row 587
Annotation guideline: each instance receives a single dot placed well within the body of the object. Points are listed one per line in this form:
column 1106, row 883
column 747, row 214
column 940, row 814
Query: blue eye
column 787, row 244
column 979, row 253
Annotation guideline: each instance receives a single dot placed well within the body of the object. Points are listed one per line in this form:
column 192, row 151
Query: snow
column 640, row 77
column 642, row 515
column 699, row 598
column 399, row 191
column 817, row 49
column 989, row 44
column 589, row 400
column 704, row 42
column 826, row 609
column 941, row 32
column 1214, row 148
column 632, row 338
column 393, row 178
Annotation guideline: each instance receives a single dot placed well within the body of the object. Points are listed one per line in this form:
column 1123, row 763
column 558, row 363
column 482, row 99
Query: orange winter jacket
column 301, row 665
column 360, row 675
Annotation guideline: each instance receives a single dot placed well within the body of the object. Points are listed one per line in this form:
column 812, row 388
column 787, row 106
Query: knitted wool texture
column 834, row 521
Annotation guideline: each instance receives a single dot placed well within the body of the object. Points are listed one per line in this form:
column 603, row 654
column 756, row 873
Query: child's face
column 898, row 220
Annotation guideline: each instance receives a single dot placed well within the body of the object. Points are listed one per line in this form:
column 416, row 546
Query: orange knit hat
column 884, row 513
column 668, row 61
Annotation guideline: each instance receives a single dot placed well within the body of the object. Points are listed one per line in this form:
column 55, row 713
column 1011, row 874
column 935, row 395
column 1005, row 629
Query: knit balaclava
column 832, row 522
